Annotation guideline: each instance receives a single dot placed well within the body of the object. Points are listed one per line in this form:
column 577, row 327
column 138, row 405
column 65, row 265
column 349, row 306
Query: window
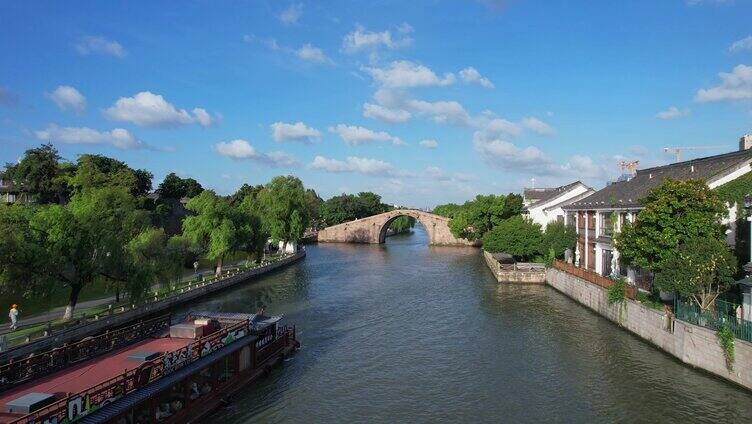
column 606, row 220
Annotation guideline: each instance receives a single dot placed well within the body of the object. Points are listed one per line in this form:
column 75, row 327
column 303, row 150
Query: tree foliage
column 174, row 187
column 675, row 211
column 558, row 237
column 516, row 236
column 284, row 209
column 700, row 269
column 215, row 229
column 41, row 174
column 348, row 207
column 476, row 217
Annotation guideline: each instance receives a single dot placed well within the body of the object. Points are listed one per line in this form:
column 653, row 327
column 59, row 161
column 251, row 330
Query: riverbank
column 114, row 318
column 693, row 345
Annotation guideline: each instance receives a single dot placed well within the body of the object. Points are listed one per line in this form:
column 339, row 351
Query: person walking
column 13, row 315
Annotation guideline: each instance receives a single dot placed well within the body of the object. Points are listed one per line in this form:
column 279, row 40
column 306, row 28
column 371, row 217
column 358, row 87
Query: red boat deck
column 89, row 373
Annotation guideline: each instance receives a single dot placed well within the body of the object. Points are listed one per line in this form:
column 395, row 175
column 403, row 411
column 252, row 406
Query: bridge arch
column 373, row 229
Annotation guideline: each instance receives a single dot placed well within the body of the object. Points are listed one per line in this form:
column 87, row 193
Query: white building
column 544, row 205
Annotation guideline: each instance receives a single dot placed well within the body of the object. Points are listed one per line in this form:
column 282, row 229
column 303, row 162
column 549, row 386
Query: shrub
column 517, row 236
column 558, row 237
column 617, row 293
column 726, row 338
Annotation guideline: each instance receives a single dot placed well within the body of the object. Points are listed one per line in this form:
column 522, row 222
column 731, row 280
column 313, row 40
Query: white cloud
column 743, row 44
column 385, row 114
column 735, row 85
column 203, row 117
column 354, row 135
column 292, row 14
column 445, row 112
column 152, row 110
column 236, row 149
column 298, row 131
column 672, row 112
column 361, row 39
column 119, row 137
column 312, row 54
column 502, row 153
column 68, row 98
column 429, row 144
column 99, row 45
column 471, row 75
column 537, row 126
column 240, row 149
column 406, row 74
column 354, row 164
column 495, row 127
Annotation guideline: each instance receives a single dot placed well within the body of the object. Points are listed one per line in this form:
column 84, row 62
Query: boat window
column 201, row 383
column 141, row 414
column 228, row 371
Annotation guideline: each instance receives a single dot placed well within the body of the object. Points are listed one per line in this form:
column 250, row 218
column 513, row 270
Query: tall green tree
column 74, row 245
column 216, row 229
column 174, row 187
column 558, row 237
column 41, row 175
column 700, row 269
column 255, row 232
column 474, row 218
column 281, row 199
column 674, row 212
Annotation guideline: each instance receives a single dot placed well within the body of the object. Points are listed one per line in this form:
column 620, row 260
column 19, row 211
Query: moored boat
column 175, row 376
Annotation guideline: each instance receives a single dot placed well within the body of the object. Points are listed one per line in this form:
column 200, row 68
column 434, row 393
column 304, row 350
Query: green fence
column 724, row 313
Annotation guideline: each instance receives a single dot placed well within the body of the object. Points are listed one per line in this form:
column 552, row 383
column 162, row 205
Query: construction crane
column 677, row 150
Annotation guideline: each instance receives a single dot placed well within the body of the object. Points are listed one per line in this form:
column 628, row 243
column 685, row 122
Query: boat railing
column 110, row 390
column 19, row 371
column 285, row 336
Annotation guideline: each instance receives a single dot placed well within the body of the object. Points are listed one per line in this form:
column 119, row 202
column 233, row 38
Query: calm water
column 404, row 332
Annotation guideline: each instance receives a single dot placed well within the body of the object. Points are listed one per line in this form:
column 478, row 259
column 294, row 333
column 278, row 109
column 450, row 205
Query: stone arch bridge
column 373, row 229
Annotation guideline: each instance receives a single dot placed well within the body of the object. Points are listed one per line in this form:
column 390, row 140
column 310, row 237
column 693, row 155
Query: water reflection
column 407, row 332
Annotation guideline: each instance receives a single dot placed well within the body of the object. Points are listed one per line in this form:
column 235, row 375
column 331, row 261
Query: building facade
column 599, row 216
column 544, row 205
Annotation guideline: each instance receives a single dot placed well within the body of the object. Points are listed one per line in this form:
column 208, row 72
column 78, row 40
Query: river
column 404, row 332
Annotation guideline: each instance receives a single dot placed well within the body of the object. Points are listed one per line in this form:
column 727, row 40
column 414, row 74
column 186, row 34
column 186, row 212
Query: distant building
column 602, row 214
column 11, row 193
column 544, row 205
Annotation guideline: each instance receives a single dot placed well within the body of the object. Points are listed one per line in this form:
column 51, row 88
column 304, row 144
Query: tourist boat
column 161, row 373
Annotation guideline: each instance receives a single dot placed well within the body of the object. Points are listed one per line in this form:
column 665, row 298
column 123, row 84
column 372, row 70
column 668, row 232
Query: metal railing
column 722, row 314
column 136, row 378
column 37, row 365
column 48, row 329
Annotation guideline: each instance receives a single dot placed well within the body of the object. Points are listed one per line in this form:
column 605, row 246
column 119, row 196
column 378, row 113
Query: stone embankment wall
column 523, row 275
column 691, row 344
column 107, row 322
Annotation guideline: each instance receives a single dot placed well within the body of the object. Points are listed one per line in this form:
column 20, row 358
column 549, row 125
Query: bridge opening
column 399, row 227
column 399, row 224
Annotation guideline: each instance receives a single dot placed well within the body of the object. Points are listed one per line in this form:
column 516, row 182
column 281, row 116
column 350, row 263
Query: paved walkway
column 57, row 313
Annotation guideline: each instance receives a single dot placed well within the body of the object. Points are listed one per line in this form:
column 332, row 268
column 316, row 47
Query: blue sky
column 424, row 102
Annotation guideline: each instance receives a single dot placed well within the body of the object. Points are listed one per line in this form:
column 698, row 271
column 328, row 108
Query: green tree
column 476, row 217
column 256, row 233
column 174, row 187
column 517, row 236
column 41, row 175
column 215, row 229
column 97, row 171
column 558, row 237
column 314, row 206
column 675, row 211
column 282, row 198
column 448, row 210
column 700, row 269
column 73, row 245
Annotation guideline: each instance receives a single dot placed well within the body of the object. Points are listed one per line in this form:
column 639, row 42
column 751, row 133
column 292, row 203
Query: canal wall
column 524, row 274
column 108, row 322
column 694, row 345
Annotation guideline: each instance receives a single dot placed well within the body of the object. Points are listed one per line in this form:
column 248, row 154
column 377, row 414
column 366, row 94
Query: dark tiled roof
column 629, row 193
column 542, row 195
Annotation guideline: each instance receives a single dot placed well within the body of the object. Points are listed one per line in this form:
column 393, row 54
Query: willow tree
column 215, row 229
column 284, row 208
column 74, row 245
